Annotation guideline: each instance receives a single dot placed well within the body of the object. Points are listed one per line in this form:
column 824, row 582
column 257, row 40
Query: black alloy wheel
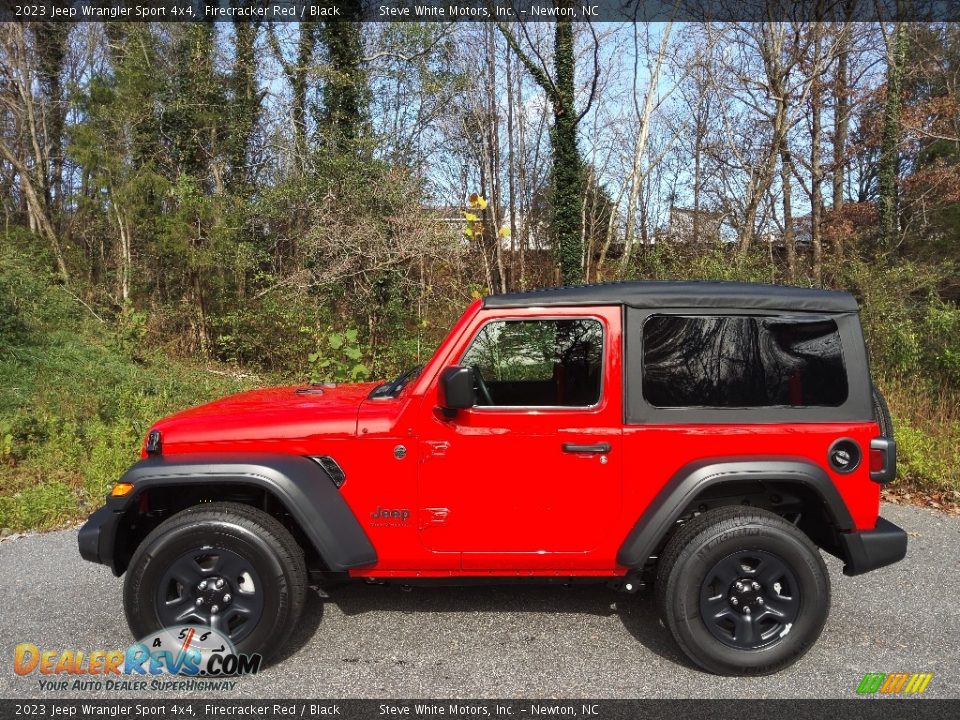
column 750, row 599
column 215, row 587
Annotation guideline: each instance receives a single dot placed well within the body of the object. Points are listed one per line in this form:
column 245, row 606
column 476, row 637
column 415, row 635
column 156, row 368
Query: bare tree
column 758, row 66
column 24, row 142
column 651, row 99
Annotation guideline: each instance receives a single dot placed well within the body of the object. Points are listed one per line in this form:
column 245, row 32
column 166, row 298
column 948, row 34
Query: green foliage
column 74, row 404
column 345, row 91
column 910, row 330
column 668, row 261
column 337, row 357
column 39, row 506
column 928, row 456
column 265, row 333
column 940, row 339
column 12, row 325
column 131, row 329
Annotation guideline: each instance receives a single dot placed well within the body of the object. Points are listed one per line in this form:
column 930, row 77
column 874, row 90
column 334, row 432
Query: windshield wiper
column 390, row 389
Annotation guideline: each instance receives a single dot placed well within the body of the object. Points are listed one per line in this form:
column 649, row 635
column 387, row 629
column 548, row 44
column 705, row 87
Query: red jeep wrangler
column 705, row 437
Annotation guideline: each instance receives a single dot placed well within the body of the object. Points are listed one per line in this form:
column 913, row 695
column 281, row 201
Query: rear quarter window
column 742, row 361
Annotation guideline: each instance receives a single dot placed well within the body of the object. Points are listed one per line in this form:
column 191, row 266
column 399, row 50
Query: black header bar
column 455, row 709
column 476, row 10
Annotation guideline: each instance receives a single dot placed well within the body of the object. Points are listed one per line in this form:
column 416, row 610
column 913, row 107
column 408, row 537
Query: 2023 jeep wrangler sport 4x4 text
column 704, row 437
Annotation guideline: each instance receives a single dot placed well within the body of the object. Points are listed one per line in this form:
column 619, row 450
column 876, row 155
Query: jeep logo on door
column 389, row 517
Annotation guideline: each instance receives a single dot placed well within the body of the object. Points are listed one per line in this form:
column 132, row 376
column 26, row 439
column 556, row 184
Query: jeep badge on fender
column 709, row 439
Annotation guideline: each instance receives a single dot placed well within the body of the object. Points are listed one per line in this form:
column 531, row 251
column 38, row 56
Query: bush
column 928, row 457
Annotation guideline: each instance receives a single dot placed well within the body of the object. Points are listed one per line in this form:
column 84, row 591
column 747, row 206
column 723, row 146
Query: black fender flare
column 301, row 485
column 692, row 479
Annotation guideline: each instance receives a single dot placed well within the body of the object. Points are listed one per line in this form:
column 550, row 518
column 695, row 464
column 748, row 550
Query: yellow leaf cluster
column 478, row 202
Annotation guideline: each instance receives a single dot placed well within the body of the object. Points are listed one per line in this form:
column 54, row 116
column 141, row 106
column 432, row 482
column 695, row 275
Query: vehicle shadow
column 306, row 628
column 637, row 613
column 640, row 617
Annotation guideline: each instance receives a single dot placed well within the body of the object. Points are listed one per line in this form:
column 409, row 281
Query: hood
column 278, row 414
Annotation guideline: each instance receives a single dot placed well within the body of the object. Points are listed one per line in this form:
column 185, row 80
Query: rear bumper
column 871, row 549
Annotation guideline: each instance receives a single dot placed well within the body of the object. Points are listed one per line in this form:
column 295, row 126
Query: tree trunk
column 567, row 165
column 640, row 145
column 567, row 179
column 125, row 256
column 345, row 93
column 890, row 139
column 511, row 188
column 246, row 101
column 786, row 179
column 777, row 69
column 841, row 113
column 522, row 181
column 697, row 184
column 51, row 45
column 296, row 73
column 495, row 211
column 37, row 211
column 816, row 171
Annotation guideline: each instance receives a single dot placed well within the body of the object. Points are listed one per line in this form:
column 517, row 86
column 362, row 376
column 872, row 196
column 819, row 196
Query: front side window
column 718, row 361
column 531, row 363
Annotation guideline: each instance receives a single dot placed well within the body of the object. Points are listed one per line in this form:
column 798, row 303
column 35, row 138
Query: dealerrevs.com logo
column 198, row 658
column 898, row 683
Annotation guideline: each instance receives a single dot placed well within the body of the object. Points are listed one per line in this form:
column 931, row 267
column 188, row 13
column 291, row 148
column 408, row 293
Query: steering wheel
column 482, row 386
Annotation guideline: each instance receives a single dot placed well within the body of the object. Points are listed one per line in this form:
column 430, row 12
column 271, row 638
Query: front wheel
column 226, row 565
column 743, row 591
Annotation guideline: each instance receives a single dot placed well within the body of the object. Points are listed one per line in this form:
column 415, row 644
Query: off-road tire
column 712, row 537
column 250, row 533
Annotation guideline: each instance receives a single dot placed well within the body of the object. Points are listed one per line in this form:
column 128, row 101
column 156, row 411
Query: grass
column 76, row 399
column 76, row 421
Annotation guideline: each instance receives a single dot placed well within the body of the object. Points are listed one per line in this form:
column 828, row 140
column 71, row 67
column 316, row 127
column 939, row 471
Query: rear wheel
column 224, row 565
column 743, row 591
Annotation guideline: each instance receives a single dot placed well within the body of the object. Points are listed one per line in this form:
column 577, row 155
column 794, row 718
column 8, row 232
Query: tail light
column 883, row 459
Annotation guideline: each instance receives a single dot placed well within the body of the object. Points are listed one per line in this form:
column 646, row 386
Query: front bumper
column 871, row 549
column 96, row 537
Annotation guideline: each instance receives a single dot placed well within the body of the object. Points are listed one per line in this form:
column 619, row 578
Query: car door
column 528, row 478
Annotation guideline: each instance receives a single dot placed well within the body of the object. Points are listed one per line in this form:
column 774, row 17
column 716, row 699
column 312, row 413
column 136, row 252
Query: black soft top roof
column 656, row 294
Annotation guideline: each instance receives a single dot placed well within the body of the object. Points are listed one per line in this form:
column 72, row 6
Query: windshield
column 392, row 388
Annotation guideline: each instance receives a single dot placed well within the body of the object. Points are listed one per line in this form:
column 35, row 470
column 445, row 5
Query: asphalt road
column 514, row 642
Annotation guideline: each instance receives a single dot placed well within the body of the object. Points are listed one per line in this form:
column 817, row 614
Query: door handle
column 601, row 448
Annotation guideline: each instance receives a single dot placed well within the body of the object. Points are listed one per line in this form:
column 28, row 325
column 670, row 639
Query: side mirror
column 457, row 389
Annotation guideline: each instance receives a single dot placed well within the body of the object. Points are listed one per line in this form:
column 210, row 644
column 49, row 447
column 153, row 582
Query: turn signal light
column 121, row 489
